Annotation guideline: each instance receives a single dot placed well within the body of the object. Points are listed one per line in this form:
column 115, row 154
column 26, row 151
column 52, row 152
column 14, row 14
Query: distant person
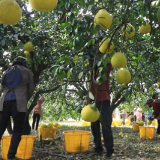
column 156, row 112
column 134, row 113
column 17, row 88
column 124, row 115
column 155, row 97
column 37, row 113
column 139, row 113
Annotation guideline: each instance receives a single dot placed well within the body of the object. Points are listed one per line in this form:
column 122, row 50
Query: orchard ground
column 128, row 145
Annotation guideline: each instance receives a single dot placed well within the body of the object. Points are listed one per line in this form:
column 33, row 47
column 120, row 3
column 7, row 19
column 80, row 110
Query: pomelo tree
column 66, row 42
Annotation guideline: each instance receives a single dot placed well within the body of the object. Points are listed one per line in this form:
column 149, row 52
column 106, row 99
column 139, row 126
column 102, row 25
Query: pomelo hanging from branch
column 103, row 19
column 88, row 114
column 10, row 12
column 43, row 5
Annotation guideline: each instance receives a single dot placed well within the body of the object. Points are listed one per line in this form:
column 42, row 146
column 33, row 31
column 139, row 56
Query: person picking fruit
column 17, row 88
column 102, row 100
column 156, row 112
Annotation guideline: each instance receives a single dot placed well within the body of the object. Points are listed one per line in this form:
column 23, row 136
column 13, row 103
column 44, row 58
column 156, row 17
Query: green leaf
column 158, row 15
column 91, row 96
column 93, row 106
column 80, row 75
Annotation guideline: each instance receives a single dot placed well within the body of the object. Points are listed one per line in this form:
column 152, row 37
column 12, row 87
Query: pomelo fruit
column 128, row 31
column 123, row 76
column 27, row 54
column 105, row 46
column 103, row 18
column 89, row 115
column 43, row 126
column 118, row 60
column 55, row 124
column 43, row 5
column 144, row 29
column 28, row 46
column 10, row 12
column 50, row 125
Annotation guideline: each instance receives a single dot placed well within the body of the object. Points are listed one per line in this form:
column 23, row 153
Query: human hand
column 151, row 118
column 40, row 101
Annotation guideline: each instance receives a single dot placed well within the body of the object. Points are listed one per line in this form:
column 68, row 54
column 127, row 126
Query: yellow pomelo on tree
column 10, row 12
column 105, row 46
column 88, row 114
column 27, row 54
column 28, row 46
column 123, row 76
column 144, row 29
column 103, row 19
column 128, row 31
column 43, row 5
column 118, row 60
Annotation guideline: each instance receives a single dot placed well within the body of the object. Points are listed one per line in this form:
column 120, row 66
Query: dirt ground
column 127, row 144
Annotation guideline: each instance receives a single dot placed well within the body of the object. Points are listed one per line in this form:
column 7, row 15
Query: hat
column 149, row 101
column 20, row 60
column 154, row 95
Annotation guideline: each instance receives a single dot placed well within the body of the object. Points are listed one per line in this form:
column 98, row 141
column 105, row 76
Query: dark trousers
column 158, row 127
column 36, row 118
column 105, row 110
column 10, row 109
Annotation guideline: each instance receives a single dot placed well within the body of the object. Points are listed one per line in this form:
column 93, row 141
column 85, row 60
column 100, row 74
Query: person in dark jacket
column 156, row 111
column 17, row 88
column 102, row 99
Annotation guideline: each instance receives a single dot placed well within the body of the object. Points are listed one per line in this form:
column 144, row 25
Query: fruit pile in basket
column 140, row 122
column 50, row 125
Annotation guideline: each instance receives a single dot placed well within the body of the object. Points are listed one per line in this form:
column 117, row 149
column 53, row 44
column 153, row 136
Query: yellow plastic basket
column 127, row 122
column 24, row 150
column 76, row 141
column 113, row 123
column 136, row 126
column 86, row 123
column 47, row 132
column 118, row 122
column 146, row 132
column 154, row 123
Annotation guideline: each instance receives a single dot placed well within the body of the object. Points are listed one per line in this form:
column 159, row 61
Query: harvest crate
column 47, row 132
column 76, row 140
column 24, row 150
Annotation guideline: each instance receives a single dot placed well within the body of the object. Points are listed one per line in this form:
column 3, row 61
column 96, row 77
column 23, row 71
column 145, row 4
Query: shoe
column 15, row 158
column 109, row 154
column 99, row 151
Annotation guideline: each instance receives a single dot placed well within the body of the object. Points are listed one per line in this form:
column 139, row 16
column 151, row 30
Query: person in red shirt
column 156, row 111
column 102, row 99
